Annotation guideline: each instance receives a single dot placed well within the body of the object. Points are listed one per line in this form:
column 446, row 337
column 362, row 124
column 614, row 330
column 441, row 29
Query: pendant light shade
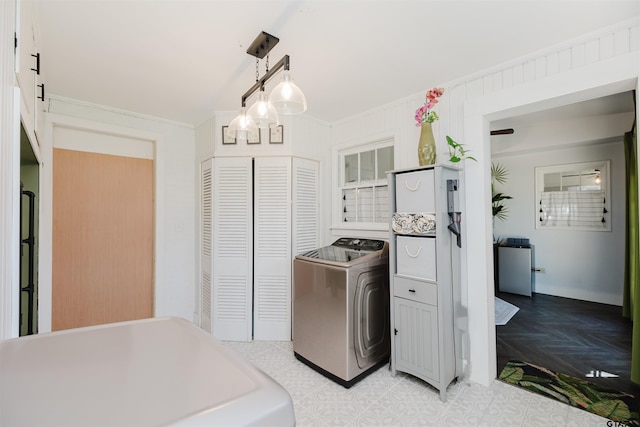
column 287, row 98
column 242, row 126
column 263, row 113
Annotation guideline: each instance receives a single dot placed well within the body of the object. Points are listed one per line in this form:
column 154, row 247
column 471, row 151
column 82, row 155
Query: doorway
column 102, row 269
column 578, row 274
column 29, row 216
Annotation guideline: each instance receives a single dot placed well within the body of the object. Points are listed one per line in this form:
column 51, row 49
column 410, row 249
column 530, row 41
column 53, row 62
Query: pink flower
column 434, row 93
column 425, row 113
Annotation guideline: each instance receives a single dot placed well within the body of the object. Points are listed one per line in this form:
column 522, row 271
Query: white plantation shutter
column 574, row 209
column 306, row 206
column 272, row 249
column 232, row 249
column 206, row 259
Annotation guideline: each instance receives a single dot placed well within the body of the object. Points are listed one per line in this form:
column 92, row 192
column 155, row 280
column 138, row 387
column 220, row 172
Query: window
column 574, row 196
column 363, row 183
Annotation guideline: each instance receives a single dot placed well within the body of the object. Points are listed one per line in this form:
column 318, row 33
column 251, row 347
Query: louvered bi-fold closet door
column 306, row 206
column 232, row 249
column 272, row 249
column 206, row 241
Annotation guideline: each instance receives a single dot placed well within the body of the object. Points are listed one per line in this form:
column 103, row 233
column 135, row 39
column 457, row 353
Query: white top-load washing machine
column 341, row 308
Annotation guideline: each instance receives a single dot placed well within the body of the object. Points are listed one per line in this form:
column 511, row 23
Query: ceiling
column 182, row 60
column 612, row 104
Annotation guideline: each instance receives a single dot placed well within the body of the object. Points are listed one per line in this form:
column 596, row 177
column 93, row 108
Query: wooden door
column 102, row 239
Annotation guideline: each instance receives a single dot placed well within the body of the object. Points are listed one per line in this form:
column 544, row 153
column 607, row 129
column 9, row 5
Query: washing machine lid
column 345, row 250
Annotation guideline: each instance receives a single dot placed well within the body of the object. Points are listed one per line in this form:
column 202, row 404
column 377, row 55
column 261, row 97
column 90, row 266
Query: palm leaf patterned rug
column 614, row 405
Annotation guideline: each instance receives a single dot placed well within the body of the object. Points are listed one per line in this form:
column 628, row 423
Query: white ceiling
column 612, row 104
column 184, row 59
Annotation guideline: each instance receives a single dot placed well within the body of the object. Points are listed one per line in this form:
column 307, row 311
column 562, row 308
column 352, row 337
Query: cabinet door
column 416, row 338
column 26, row 75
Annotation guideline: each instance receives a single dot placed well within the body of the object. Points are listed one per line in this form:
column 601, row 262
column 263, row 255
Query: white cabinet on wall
column 424, row 269
column 263, row 211
column 29, row 70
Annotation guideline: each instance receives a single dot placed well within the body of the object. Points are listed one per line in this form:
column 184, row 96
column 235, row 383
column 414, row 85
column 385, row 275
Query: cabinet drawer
column 415, row 192
column 416, row 257
column 415, row 290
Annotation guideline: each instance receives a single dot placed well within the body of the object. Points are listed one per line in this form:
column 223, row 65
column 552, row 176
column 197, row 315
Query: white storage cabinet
column 424, row 270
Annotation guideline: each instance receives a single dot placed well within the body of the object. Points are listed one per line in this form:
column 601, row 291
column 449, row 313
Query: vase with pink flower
column 425, row 116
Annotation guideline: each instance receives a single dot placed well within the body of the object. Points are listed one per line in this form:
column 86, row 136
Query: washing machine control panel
column 359, row 244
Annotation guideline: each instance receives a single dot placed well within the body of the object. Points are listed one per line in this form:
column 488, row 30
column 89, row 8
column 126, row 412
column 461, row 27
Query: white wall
column 175, row 242
column 586, row 265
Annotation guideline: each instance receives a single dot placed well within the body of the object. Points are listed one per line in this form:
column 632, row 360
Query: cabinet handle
column 37, row 69
column 406, row 249
column 406, row 184
column 42, row 93
column 413, row 291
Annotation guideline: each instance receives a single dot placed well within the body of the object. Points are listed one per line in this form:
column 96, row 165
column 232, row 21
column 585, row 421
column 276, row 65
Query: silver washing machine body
column 341, row 308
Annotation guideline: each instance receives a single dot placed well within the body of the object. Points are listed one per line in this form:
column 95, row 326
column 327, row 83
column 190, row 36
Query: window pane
column 367, row 165
column 382, row 204
column 363, row 188
column 552, row 182
column 385, row 161
column 571, row 181
column 591, row 180
column 351, row 168
column 365, row 204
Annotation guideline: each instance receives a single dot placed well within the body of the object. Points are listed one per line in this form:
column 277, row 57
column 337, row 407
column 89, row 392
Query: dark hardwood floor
column 569, row 336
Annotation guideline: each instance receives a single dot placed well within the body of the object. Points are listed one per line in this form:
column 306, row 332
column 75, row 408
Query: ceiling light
column 286, row 98
column 263, row 113
column 243, row 126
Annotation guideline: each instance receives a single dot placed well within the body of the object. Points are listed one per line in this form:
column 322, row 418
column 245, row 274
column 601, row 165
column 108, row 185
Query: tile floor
column 383, row 400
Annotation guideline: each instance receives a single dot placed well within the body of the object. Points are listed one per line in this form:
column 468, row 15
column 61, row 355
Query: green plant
column 457, row 151
column 498, row 175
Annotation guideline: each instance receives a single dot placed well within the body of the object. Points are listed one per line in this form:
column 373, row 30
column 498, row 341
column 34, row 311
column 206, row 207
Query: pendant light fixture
column 263, row 113
column 286, row 98
column 243, row 126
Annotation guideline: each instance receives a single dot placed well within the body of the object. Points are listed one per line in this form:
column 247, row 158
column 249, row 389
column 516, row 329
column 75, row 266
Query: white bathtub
column 150, row 372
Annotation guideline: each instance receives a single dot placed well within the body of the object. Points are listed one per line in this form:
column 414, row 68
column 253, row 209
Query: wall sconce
column 286, row 98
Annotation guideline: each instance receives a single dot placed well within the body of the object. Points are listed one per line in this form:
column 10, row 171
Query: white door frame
column 608, row 77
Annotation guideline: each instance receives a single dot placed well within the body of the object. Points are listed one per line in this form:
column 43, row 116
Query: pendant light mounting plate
column 261, row 46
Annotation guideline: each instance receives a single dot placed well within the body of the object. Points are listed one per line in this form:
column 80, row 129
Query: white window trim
column 338, row 153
